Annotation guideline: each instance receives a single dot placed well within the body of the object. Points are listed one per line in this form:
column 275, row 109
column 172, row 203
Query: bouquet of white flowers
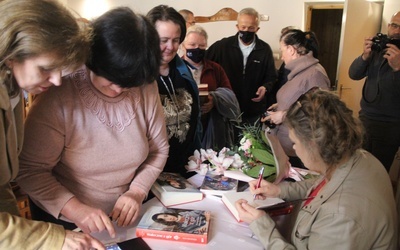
column 253, row 153
column 209, row 160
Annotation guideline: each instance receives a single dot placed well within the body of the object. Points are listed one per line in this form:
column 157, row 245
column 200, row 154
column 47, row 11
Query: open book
column 281, row 162
column 229, row 199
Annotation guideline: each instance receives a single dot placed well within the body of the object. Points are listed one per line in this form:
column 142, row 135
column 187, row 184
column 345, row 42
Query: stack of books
column 173, row 189
column 203, row 93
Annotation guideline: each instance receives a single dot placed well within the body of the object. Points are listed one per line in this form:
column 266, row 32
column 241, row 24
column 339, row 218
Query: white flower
column 209, row 160
column 203, row 169
column 237, row 161
column 207, row 154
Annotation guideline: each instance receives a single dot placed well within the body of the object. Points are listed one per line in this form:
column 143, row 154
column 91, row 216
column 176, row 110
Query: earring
column 8, row 72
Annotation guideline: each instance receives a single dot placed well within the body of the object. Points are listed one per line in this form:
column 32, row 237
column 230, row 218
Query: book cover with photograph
column 173, row 189
column 184, row 225
column 217, row 184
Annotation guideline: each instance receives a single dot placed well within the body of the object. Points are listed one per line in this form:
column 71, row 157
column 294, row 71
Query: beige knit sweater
column 81, row 143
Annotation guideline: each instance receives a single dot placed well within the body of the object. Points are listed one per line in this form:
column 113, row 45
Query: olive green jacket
column 17, row 232
column 354, row 210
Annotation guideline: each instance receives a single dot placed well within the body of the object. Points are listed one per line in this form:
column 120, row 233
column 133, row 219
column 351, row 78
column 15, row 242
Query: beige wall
column 389, row 8
column 357, row 24
column 281, row 13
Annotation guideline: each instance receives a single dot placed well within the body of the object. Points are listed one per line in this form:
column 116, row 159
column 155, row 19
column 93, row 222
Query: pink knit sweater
column 81, row 143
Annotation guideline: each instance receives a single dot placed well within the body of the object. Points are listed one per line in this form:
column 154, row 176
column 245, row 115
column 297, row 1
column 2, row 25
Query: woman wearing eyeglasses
column 350, row 205
column 299, row 53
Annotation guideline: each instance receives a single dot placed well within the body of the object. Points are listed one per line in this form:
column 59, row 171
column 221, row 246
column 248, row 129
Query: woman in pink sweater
column 94, row 146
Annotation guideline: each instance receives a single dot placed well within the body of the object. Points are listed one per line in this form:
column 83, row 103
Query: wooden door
column 327, row 24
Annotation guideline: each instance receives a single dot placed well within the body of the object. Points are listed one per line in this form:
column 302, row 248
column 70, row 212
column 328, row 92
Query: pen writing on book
column 260, row 176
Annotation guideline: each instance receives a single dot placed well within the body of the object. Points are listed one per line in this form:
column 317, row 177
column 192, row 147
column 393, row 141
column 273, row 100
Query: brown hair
column 320, row 118
column 30, row 28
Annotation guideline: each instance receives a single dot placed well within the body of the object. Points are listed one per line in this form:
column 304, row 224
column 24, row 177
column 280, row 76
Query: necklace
column 174, row 100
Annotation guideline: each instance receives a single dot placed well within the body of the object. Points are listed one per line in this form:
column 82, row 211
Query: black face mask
column 196, row 55
column 246, row 36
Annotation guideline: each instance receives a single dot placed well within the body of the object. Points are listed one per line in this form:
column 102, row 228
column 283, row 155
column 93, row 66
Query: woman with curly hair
column 350, row 205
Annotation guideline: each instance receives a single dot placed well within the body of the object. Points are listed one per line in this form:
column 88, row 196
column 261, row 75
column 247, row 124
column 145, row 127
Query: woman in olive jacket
column 37, row 38
column 350, row 205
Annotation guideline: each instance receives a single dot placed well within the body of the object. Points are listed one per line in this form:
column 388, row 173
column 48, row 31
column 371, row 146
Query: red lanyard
column 314, row 192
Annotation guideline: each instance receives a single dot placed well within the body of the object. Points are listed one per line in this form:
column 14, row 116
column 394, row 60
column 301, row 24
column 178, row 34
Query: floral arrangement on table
column 253, row 153
column 256, row 152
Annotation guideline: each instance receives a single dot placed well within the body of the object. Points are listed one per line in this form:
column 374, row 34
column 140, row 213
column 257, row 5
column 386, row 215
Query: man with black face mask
column 221, row 105
column 249, row 64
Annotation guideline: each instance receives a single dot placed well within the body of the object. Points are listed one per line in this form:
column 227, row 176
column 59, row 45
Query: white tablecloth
column 225, row 231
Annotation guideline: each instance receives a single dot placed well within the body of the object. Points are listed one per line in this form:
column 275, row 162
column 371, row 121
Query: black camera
column 268, row 123
column 380, row 40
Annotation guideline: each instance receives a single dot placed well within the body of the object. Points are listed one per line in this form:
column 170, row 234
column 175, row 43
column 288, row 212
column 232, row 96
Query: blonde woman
column 38, row 38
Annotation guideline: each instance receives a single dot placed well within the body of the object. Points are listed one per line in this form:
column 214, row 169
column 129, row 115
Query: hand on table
column 87, row 218
column 80, row 241
column 265, row 190
column 127, row 208
column 247, row 213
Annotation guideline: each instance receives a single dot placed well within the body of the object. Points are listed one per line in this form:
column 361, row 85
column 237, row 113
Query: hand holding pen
column 262, row 188
column 260, row 177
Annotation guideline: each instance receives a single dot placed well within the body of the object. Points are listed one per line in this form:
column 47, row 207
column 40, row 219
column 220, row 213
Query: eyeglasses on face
column 394, row 25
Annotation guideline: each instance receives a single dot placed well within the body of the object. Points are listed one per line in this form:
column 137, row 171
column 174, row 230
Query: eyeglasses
column 394, row 25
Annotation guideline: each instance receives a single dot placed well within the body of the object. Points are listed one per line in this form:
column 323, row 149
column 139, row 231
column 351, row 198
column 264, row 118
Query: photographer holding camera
column 380, row 103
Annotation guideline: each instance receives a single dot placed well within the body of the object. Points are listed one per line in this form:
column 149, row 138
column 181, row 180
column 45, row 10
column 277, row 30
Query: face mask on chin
column 246, row 36
column 196, row 55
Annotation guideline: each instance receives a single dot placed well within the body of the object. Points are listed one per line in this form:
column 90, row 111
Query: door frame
column 309, row 7
column 319, row 6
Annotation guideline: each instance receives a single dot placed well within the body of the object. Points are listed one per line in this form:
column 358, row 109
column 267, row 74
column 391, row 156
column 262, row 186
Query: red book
column 184, row 225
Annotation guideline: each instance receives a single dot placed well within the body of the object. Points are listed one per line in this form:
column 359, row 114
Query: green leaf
column 265, row 140
column 258, row 145
column 264, row 156
column 253, row 172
